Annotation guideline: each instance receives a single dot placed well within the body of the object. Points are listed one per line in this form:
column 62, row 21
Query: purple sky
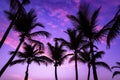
column 52, row 13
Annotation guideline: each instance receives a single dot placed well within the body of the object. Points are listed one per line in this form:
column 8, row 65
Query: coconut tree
column 117, row 67
column 75, row 43
column 84, row 57
column 16, row 7
column 86, row 23
column 24, row 26
column 57, row 54
column 30, row 54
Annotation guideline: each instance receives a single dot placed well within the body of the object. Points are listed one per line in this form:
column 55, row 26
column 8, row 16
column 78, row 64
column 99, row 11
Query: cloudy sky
column 52, row 14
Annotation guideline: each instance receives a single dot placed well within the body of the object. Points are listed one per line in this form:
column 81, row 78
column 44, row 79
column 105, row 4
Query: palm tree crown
column 57, row 54
column 25, row 31
column 31, row 54
column 17, row 8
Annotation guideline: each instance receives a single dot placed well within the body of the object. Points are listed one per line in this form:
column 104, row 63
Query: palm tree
column 24, row 25
column 86, row 23
column 116, row 72
column 75, row 43
column 29, row 55
column 18, row 9
column 57, row 55
column 84, row 57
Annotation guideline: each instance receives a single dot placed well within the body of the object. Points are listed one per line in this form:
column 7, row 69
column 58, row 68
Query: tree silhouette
column 57, row 54
column 17, row 8
column 24, row 26
column 85, row 57
column 29, row 55
column 75, row 43
column 116, row 72
column 86, row 23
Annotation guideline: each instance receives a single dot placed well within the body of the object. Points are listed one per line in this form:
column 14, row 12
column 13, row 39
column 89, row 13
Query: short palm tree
column 24, row 26
column 58, row 55
column 29, row 55
column 116, row 72
column 75, row 43
column 86, row 23
column 16, row 7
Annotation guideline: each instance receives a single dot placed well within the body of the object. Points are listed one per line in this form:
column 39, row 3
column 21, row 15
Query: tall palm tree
column 57, row 54
column 75, row 43
column 29, row 55
column 86, row 23
column 24, row 25
column 17, row 8
column 116, row 72
column 84, row 57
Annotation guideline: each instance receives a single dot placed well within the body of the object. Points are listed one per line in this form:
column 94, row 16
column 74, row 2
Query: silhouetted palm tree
column 24, row 25
column 29, row 55
column 116, row 72
column 75, row 43
column 86, row 23
column 84, row 57
column 17, row 8
column 58, row 55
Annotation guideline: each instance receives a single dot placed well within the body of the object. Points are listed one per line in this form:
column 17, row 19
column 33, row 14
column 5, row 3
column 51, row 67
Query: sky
column 52, row 14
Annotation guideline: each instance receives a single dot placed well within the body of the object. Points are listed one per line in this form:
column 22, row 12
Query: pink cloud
column 60, row 13
column 52, row 25
column 11, row 42
column 16, row 76
column 77, row 3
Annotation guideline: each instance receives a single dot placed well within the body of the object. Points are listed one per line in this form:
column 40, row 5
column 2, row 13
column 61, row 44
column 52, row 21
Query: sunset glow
column 52, row 14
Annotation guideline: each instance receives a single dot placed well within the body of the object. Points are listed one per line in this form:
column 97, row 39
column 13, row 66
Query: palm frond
column 10, row 15
column 43, row 33
column 39, row 61
column 73, row 18
column 113, row 32
column 118, row 63
column 94, row 17
column 17, row 61
column 51, row 48
column 72, row 59
column 99, row 54
column 39, row 44
column 63, row 41
column 103, row 64
column 62, row 59
column 116, row 73
column 45, row 58
column 114, row 27
column 38, row 24
column 115, row 67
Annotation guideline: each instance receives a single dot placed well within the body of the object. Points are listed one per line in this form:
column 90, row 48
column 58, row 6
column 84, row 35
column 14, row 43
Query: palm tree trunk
column 11, row 59
column 8, row 30
column 76, row 69
column 56, row 78
column 88, row 78
column 26, row 73
column 93, row 61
